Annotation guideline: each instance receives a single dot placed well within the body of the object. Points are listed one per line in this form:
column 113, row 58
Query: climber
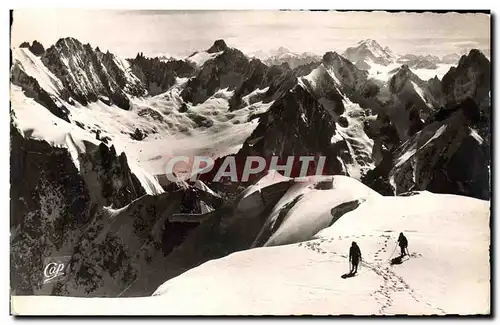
column 354, row 257
column 403, row 244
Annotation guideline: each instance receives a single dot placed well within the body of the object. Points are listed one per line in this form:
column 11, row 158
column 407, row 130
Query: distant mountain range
column 283, row 55
column 365, row 54
column 91, row 134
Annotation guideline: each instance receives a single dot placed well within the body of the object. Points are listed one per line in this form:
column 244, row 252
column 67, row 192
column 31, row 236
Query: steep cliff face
column 74, row 192
column 257, row 77
column 266, row 84
column 95, row 212
column 469, row 85
column 119, row 245
column 50, row 203
column 458, row 122
column 470, row 79
column 158, row 75
column 296, row 124
column 226, row 69
column 320, row 115
column 88, row 75
column 420, row 61
column 32, row 89
column 353, row 82
column 293, row 60
column 115, row 249
column 444, row 157
column 408, row 101
column 109, row 176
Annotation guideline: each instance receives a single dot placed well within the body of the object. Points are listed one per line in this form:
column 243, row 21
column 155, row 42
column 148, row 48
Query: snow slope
column 270, row 178
column 321, row 81
column 205, row 129
column 37, row 122
column 307, row 207
column 385, row 72
column 34, row 67
column 199, row 58
column 447, row 234
column 447, row 273
column 359, row 144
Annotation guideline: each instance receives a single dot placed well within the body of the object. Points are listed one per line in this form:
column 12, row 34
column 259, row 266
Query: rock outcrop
column 159, row 75
column 87, row 74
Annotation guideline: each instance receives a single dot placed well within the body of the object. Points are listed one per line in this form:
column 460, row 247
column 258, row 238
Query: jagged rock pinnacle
column 219, row 45
column 330, row 57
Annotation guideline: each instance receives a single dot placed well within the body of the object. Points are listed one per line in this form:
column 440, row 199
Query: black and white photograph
column 250, row 162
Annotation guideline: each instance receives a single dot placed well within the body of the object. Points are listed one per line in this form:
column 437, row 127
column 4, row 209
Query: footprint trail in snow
column 393, row 286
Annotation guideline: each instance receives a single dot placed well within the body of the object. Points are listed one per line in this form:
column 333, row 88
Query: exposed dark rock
column 354, row 82
column 105, row 77
column 470, row 79
column 60, row 211
column 450, row 151
column 37, row 48
column 138, row 135
column 183, row 108
column 409, row 101
column 50, row 203
column 218, row 46
column 226, row 70
column 454, row 162
column 32, row 89
column 378, row 178
column 282, row 131
column 368, row 50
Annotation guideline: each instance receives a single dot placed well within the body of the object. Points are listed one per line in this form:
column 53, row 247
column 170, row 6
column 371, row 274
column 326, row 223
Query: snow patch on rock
column 200, row 58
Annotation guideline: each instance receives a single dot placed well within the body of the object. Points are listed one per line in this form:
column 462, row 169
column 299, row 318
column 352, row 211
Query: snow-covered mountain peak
column 67, row 42
column 369, row 51
column 370, row 43
column 88, row 75
column 471, row 78
column 281, row 50
column 344, row 70
column 404, row 71
column 218, row 102
column 376, row 49
column 281, row 55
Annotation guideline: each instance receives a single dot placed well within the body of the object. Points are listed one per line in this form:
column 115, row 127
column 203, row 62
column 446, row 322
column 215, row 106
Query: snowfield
column 199, row 58
column 360, row 146
column 448, row 271
column 384, row 73
column 307, row 207
column 287, row 239
column 205, row 129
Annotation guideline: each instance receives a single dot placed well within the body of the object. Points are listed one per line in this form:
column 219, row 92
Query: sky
column 180, row 33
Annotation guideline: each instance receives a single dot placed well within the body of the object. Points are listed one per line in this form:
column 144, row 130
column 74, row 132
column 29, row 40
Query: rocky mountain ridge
column 84, row 197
